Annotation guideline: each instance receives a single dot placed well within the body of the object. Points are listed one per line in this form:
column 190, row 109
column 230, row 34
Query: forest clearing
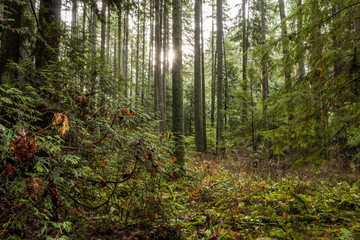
column 179, row 119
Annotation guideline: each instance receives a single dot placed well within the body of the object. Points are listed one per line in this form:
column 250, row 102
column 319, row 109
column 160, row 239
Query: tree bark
column 74, row 19
column 244, row 63
column 165, row 56
column 108, row 35
column 143, row 57
column 126, row 51
column 177, row 84
column 203, row 91
column 47, row 49
column 285, row 46
column 197, row 82
column 220, row 120
column 137, row 55
column 213, row 66
column 151, row 47
column 10, row 41
column 265, row 80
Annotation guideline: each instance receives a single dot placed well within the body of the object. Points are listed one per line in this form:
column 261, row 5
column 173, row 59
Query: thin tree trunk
column 137, row 55
column 220, row 119
column 165, row 55
column 213, row 66
column 244, row 63
column 108, row 36
column 84, row 24
column 158, row 99
column 227, row 101
column 177, row 84
column 74, row 19
column 120, row 44
column 131, row 78
column 93, row 25
column 301, row 52
column 197, row 82
column 265, row 81
column 143, row 57
column 285, row 54
column 102, row 53
column 151, row 46
column 115, row 64
column 103, row 33
column 126, row 51
column 203, row 78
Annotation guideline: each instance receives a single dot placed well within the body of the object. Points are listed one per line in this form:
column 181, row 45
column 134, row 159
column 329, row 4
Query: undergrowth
column 217, row 202
column 84, row 173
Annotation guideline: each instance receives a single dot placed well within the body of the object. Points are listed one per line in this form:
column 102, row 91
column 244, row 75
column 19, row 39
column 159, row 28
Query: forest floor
column 239, row 198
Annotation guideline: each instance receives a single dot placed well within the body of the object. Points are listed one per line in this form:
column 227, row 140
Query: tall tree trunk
column 157, row 72
column 120, row 43
column 84, row 24
column 264, row 70
column 197, row 82
column 108, row 35
column 213, row 66
column 126, row 51
column 151, row 46
column 177, row 84
column 227, row 100
column 265, row 81
column 165, row 58
column 47, row 49
column 244, row 63
column 137, row 55
column 301, row 51
column 203, row 78
column 143, row 56
column 131, row 66
column 220, row 120
column 103, row 32
column 285, row 41
column 115, row 64
column 102, row 51
column 10, row 40
column 93, row 25
column 74, row 19
column 158, row 98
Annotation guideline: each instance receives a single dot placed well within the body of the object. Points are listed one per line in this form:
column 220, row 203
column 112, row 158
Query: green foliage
column 104, row 159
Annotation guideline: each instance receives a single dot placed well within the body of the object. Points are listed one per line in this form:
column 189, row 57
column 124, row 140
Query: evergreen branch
column 333, row 15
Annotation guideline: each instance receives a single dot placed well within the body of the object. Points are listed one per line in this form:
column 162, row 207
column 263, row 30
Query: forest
column 179, row 119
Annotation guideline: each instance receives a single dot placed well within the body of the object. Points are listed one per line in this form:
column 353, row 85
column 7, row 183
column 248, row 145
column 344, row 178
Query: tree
column 10, row 40
column 137, row 53
column 74, row 19
column 47, row 46
column 151, row 46
column 203, row 91
column 286, row 67
column 213, row 66
column 143, row 55
column 158, row 93
column 265, row 80
column 165, row 48
column 219, row 39
column 197, row 82
column 177, row 84
column 126, row 48
column 244, row 63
